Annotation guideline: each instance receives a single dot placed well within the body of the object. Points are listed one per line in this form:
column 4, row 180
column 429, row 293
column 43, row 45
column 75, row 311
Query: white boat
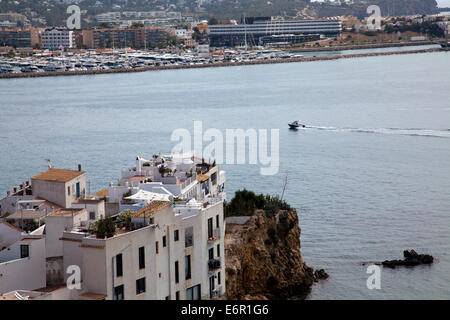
column 296, row 125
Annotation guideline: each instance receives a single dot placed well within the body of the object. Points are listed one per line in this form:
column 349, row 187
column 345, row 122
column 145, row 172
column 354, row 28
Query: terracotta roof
column 31, row 239
column 27, row 214
column 7, row 298
column 202, row 177
column 151, row 209
column 58, row 175
column 48, row 203
column 101, row 193
column 67, row 212
column 11, row 226
column 93, row 296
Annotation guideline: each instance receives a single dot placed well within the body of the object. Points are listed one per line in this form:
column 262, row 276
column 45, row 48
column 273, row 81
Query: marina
column 120, row 62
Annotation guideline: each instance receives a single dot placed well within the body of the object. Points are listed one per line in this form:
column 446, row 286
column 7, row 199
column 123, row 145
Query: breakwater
column 363, row 46
column 220, row 64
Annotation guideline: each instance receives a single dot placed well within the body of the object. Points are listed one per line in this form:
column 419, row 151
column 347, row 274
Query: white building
column 172, row 249
column 57, row 38
column 22, row 265
column 108, row 17
column 9, row 234
column 175, row 247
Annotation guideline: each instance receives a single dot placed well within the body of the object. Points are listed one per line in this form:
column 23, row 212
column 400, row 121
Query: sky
column 441, row 3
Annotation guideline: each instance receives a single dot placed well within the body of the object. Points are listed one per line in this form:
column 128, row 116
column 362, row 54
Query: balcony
column 215, row 235
column 213, row 264
column 217, row 292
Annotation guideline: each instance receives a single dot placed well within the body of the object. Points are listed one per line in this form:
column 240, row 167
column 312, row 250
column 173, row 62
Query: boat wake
column 416, row 132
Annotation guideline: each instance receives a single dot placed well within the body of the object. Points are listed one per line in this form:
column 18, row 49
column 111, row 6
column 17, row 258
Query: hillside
column 53, row 12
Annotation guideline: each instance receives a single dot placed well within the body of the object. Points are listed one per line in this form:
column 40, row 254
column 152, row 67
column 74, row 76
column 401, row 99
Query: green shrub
column 246, row 202
column 105, row 228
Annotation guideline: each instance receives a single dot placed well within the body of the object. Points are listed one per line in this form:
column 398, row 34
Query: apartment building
column 20, row 37
column 124, row 37
column 173, row 247
column 255, row 29
column 60, row 186
column 57, row 38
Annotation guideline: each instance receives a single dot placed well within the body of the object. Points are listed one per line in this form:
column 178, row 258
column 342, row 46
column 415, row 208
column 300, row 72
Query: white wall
column 8, row 235
column 27, row 273
column 54, row 228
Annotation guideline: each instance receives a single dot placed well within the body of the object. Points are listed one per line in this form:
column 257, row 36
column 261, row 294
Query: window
column 189, row 237
column 218, row 250
column 218, row 278
column 193, row 293
column 177, row 277
column 177, row 295
column 164, row 241
column 176, row 235
column 119, row 270
column 118, row 293
column 140, row 285
column 187, row 266
column 214, row 178
column 157, row 247
column 211, row 254
column 141, row 258
column 91, row 215
column 217, row 221
column 211, row 286
column 68, row 190
column 24, row 251
column 210, row 228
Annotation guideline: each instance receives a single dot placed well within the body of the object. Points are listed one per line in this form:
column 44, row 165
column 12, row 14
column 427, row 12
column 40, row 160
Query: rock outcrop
column 263, row 259
column 411, row 259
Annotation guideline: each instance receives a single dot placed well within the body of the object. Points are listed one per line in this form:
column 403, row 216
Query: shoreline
column 221, row 64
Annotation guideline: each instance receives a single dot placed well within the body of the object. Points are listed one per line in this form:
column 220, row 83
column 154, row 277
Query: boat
column 296, row 125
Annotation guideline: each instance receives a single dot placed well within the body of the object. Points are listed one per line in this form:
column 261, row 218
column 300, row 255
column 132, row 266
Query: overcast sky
column 441, row 3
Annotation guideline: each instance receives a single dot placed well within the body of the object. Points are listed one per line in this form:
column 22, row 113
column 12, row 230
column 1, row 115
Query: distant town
column 129, row 44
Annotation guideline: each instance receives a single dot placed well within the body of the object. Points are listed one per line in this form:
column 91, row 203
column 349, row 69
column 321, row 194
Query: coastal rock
column 411, row 259
column 320, row 275
column 263, row 259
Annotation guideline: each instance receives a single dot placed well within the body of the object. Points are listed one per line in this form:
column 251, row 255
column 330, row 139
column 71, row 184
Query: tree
column 125, row 217
column 105, row 228
column 213, row 21
column 137, row 25
column 104, row 25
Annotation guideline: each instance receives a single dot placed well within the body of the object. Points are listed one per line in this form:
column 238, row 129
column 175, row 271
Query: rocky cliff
column 263, row 259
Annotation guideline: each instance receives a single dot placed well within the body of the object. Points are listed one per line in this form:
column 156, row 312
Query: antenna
column 49, row 163
column 284, row 185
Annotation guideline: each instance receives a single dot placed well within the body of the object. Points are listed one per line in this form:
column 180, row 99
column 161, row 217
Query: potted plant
column 125, row 218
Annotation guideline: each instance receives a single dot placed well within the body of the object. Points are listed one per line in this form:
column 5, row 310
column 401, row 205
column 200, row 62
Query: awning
column 143, row 195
